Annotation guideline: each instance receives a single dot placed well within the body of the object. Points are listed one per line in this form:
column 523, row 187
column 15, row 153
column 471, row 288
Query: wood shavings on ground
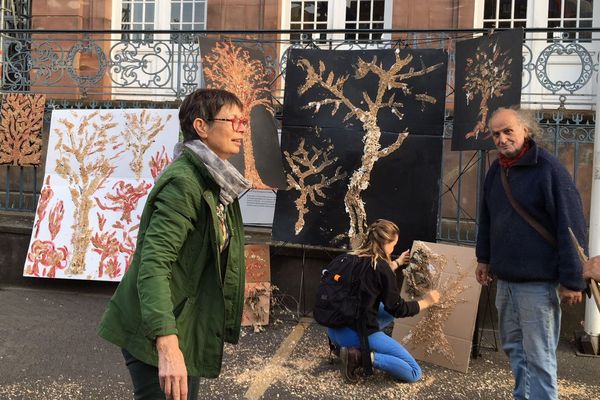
column 308, row 374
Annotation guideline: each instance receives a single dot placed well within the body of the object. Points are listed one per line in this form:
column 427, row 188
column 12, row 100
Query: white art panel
column 100, row 168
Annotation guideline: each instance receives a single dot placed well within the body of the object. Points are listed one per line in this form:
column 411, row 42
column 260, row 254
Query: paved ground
column 49, row 350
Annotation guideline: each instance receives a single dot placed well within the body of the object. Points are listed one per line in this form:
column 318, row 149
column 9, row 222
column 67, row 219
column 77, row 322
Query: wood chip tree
column 390, row 79
column 87, row 151
column 21, row 122
column 231, row 67
column 140, row 134
column 487, row 75
column 308, row 177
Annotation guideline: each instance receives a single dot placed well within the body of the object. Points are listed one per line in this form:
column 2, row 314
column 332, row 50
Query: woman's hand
column 402, row 260
column 172, row 373
column 432, row 297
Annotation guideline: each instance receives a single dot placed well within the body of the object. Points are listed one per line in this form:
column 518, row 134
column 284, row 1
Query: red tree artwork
column 43, row 253
column 230, row 67
column 158, row 162
column 45, row 196
column 87, row 154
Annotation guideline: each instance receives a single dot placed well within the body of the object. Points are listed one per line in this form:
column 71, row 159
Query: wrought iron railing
column 156, row 69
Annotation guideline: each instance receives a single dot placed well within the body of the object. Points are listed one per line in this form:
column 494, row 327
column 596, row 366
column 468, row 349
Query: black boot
column 351, row 360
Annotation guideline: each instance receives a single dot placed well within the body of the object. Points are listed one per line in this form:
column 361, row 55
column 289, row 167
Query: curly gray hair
column 526, row 119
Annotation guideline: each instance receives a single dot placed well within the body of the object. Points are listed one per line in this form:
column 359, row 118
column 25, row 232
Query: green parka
column 174, row 283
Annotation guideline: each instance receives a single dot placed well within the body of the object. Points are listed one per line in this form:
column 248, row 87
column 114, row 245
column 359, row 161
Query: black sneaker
column 351, row 360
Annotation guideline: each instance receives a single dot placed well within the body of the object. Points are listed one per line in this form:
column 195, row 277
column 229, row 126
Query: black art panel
column 321, row 223
column 420, row 97
column 267, row 155
column 241, row 70
column 488, row 76
column 403, row 189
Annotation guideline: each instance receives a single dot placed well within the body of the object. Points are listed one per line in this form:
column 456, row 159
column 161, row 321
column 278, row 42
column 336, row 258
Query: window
column 365, row 14
column 505, row 13
column 308, row 15
column 336, row 14
column 183, row 15
column 570, row 14
column 137, row 15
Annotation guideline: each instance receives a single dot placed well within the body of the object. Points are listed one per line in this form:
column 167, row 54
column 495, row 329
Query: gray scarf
column 231, row 182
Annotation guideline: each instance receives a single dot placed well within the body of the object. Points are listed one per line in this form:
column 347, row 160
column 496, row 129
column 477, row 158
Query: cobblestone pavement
column 49, row 350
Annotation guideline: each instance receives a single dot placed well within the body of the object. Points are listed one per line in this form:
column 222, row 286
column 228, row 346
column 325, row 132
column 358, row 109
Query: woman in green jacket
column 182, row 296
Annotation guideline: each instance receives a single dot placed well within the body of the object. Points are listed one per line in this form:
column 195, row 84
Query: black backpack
column 338, row 296
column 338, row 301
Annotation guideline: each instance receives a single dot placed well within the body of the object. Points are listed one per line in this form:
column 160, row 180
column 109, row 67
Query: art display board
column 21, row 123
column 100, row 167
column 488, row 76
column 400, row 189
column 242, row 70
column 441, row 334
column 361, row 140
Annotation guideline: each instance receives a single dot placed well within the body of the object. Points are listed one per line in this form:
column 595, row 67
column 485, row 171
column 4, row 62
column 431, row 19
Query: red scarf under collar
column 506, row 162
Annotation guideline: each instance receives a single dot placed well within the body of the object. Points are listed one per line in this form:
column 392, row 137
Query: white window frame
column 336, row 17
column 162, row 21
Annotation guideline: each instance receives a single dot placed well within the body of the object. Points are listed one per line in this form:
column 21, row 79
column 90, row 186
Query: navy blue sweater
column 514, row 250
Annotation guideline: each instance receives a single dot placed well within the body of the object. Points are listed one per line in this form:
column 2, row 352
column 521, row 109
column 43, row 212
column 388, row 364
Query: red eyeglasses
column 238, row 124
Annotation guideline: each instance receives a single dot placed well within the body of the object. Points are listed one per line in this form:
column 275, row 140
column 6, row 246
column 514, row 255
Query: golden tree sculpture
column 230, row 67
column 394, row 77
column 140, row 134
column 423, row 274
column 487, row 75
column 21, row 122
column 86, row 155
column 309, row 163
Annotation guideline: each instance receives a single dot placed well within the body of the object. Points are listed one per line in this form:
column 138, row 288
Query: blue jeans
column 529, row 320
column 389, row 355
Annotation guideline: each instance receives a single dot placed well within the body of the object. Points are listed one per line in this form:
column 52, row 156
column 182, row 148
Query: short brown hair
column 203, row 104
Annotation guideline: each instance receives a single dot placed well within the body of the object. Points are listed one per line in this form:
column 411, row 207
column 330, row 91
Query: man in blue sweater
column 534, row 276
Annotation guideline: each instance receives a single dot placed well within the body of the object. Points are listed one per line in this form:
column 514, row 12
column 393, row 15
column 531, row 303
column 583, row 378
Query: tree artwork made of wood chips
column 366, row 111
column 488, row 75
column 306, row 164
column 140, row 134
column 423, row 274
column 21, row 122
column 85, row 162
column 232, row 68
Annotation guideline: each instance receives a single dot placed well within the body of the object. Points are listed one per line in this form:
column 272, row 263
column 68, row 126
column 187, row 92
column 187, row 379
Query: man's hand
column 569, row 297
column 172, row 373
column 591, row 269
column 482, row 274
